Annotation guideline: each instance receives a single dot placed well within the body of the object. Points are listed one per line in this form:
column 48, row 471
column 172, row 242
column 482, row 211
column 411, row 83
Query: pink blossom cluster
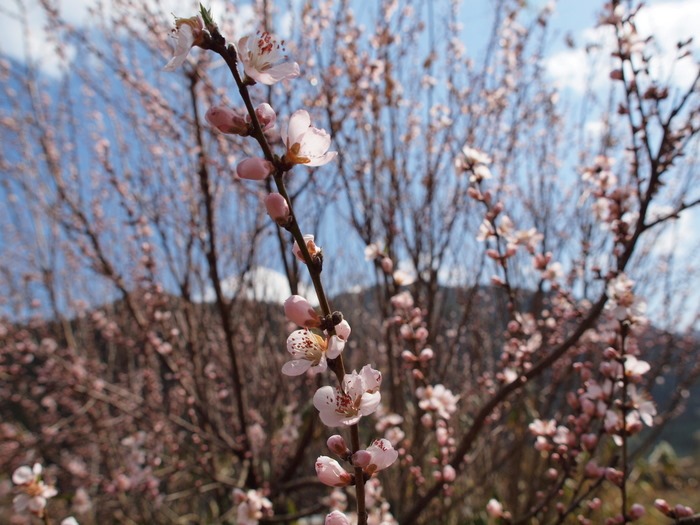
column 612, row 202
column 251, row 506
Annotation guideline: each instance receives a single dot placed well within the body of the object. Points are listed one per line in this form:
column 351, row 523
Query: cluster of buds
column 378, row 456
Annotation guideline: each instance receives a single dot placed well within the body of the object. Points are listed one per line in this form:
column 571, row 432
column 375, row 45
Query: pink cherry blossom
column 252, row 506
column 494, row 508
column 343, row 330
column 336, row 518
column 382, row 455
column 265, row 59
column 187, row 33
column 308, row 352
column 314, row 250
column 266, row 116
column 307, row 145
column 543, row 428
column 330, row 472
column 360, row 397
column 623, row 302
column 449, row 474
column 439, row 399
column 299, row 311
column 34, row 492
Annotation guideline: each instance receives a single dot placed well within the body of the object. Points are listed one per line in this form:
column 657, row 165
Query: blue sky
column 668, row 19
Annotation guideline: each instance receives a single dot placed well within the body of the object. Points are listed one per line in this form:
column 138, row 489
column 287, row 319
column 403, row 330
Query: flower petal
column 298, row 125
column 296, row 367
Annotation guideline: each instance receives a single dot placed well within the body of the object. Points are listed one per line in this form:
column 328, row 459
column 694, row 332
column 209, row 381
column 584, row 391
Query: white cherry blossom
column 360, row 397
column 265, row 58
column 305, row 144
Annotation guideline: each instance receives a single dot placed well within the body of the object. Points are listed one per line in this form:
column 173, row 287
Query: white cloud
column 260, row 284
column 679, row 236
column 23, row 26
column 668, row 22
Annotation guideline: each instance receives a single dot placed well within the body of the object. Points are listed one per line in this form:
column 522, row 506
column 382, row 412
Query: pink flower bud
column 337, row 518
column 614, row 476
column 342, row 330
column 336, row 444
column 277, row 208
column 637, row 511
column 426, row 354
column 330, row 472
column 254, row 168
column 611, row 353
column 421, row 333
column 266, row 116
column 682, row 511
column 595, row 504
column 228, row 120
column 298, row 310
column 589, row 441
column 361, row 458
column 449, row 474
column 592, row 470
column 408, row 356
column 494, row 508
column 662, row 506
column 387, row 265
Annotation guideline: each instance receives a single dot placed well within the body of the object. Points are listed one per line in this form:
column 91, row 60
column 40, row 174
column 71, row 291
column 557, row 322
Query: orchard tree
column 517, row 305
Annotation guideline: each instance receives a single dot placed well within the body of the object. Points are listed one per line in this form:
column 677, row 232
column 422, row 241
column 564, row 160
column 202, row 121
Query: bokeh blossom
column 336, row 518
column 34, row 493
column 438, row 399
column 251, row 506
column 188, row 33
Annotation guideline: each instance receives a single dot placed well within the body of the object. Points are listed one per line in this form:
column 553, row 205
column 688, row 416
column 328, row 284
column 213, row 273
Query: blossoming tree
column 142, row 191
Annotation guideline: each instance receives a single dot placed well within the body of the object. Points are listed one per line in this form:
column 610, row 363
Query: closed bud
column 266, row 116
column 449, row 474
column 336, row 444
column 228, row 120
column 361, row 458
column 636, row 511
column 342, row 330
column 662, row 506
column 277, row 208
column 387, row 265
column 298, row 310
column 254, row 168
